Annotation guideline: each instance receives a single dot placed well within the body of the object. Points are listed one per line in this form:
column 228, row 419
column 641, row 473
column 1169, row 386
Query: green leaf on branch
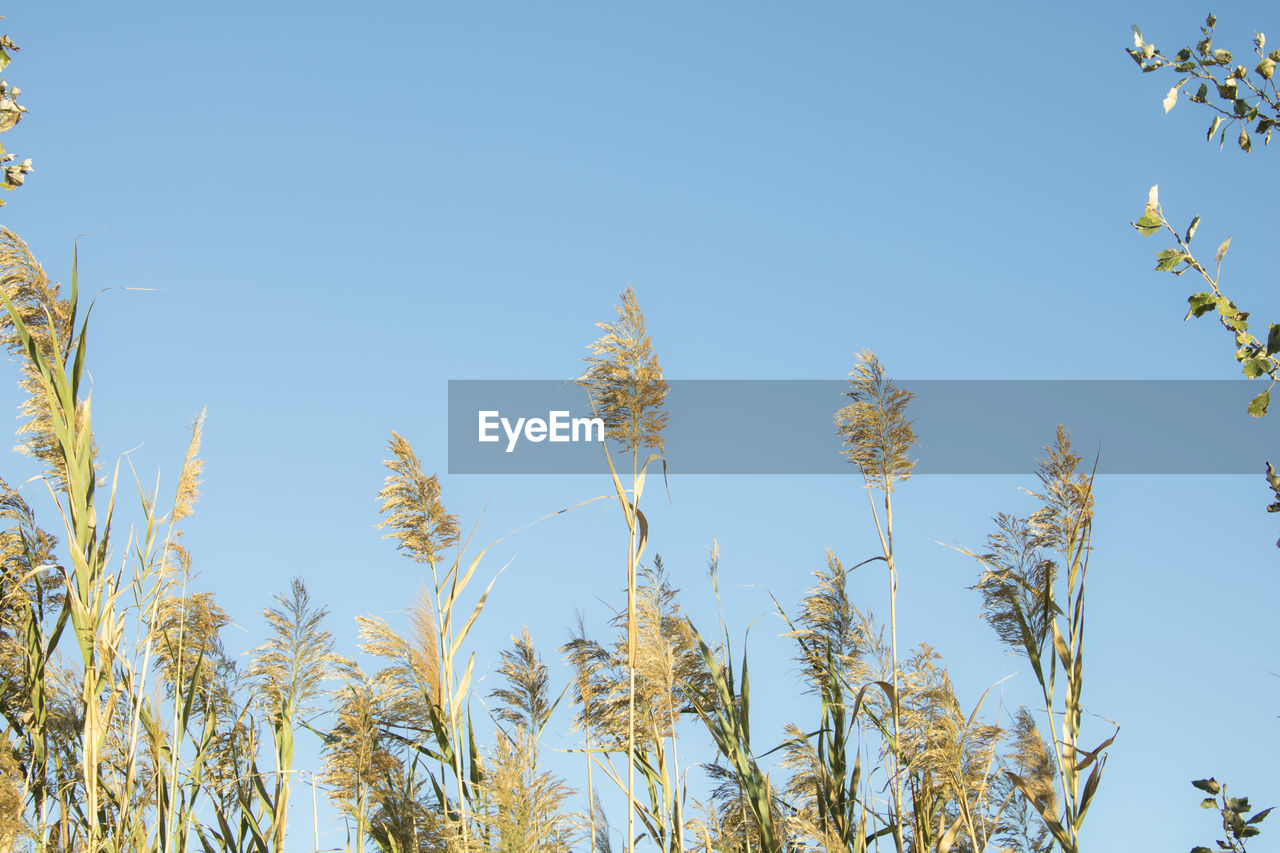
column 1147, row 225
column 1258, row 408
column 1168, row 259
column 1191, row 230
column 1273, row 339
column 1266, row 68
column 1232, row 317
column 1222, row 249
column 1255, row 367
column 1213, row 128
column 1201, row 303
column 1245, row 145
column 1209, row 785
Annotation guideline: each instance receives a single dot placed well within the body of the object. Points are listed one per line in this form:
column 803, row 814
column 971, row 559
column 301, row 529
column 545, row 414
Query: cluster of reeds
column 154, row 740
column 127, row 727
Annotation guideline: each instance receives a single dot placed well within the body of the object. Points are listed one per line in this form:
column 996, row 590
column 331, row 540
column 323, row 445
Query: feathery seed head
column 877, row 435
column 1067, row 494
column 48, row 318
column 189, row 480
column 297, row 656
column 525, row 701
column 1031, row 758
column 411, row 504
column 624, row 380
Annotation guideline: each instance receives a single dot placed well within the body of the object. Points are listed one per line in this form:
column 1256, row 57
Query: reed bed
column 126, row 726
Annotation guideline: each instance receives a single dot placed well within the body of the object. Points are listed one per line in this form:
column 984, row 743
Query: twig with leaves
column 1256, row 358
column 1235, row 94
column 1236, row 824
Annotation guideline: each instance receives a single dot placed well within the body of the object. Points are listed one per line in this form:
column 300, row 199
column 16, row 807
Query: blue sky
column 335, row 212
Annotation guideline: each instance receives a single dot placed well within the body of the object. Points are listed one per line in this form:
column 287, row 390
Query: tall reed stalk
column 42, row 327
column 288, row 669
column 1033, row 612
column 878, row 438
column 626, row 389
column 723, row 703
column 413, row 510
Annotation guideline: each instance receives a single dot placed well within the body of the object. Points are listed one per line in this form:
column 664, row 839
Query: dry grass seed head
column 29, row 574
column 1016, row 583
column 525, row 701
column 13, row 789
column 877, row 435
column 413, row 673
column 829, row 620
column 668, row 664
column 950, row 753
column 356, row 762
column 624, row 380
column 527, row 806
column 189, row 479
column 1067, row 494
column 586, row 657
column 188, row 630
column 412, row 506
column 298, row 655
column 47, row 317
column 1032, row 760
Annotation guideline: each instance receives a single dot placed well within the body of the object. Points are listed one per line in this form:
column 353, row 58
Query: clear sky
column 337, row 209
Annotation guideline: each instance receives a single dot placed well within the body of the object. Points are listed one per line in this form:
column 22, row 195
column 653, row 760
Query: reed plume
column 1031, row 610
column 288, row 669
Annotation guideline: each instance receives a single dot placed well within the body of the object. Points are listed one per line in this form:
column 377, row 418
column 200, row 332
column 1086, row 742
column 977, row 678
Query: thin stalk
column 315, row 820
column 455, row 734
column 678, row 816
column 631, row 662
column 886, row 545
column 591, row 794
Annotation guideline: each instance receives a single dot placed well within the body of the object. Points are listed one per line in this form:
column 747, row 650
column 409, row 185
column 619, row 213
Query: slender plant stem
column 885, row 533
column 631, row 660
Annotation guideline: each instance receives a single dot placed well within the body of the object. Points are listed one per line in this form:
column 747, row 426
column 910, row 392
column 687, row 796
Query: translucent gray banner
column 787, row 426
